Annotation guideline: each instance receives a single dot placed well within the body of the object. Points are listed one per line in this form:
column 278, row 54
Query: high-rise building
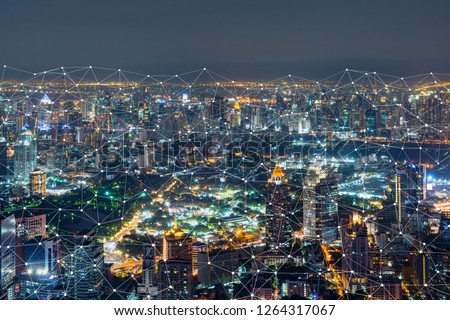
column 41, row 276
column 87, row 109
column 198, row 248
column 28, row 227
column 400, row 179
column 371, row 122
column 386, row 218
column 355, row 246
column 83, row 263
column 174, row 271
column 148, row 287
column 432, row 109
column 25, row 154
column 217, row 112
column 319, row 204
column 7, row 256
column 278, row 231
column 409, row 182
column 40, row 287
column 174, row 279
column 38, row 182
column 217, row 266
column 255, row 116
column 177, row 244
column 32, row 226
column 389, row 288
column 41, row 255
column 3, row 158
column 419, row 263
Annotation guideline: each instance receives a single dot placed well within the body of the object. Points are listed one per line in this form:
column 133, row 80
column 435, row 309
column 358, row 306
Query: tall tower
column 409, row 192
column 7, row 256
column 355, row 245
column 400, row 179
column 174, row 271
column 3, row 158
column 371, row 122
column 217, row 112
column 420, row 263
column 278, row 231
column 319, row 204
column 83, row 264
column 386, row 217
column 148, row 287
column 25, row 154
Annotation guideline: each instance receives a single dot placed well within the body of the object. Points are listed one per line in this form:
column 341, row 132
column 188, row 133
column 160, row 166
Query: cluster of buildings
column 38, row 265
column 342, row 173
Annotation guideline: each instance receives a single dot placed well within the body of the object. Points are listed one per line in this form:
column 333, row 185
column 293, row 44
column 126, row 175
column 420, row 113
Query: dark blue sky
column 238, row 38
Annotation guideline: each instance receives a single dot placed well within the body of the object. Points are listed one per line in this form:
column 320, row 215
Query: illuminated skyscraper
column 278, row 231
column 7, row 256
column 400, row 179
column 217, row 112
column 148, row 287
column 25, row 154
column 255, row 113
column 3, row 158
column 41, row 256
column 174, row 272
column 371, row 122
column 83, row 263
column 38, row 185
column 421, row 268
column 28, row 227
column 319, row 205
column 409, row 192
column 386, row 218
column 177, row 244
column 355, row 246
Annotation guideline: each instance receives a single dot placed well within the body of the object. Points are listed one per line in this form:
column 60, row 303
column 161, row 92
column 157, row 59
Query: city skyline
column 122, row 185
column 225, row 150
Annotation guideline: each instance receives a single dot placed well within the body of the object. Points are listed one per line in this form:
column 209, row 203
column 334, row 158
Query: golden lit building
column 236, row 115
column 177, row 244
column 278, row 221
column 174, row 273
column 38, row 180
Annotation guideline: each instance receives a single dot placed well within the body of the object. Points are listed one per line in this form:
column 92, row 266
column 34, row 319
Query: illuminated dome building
column 174, row 272
column 177, row 244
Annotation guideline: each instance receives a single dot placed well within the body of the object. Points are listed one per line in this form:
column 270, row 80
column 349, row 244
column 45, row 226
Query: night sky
column 262, row 39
